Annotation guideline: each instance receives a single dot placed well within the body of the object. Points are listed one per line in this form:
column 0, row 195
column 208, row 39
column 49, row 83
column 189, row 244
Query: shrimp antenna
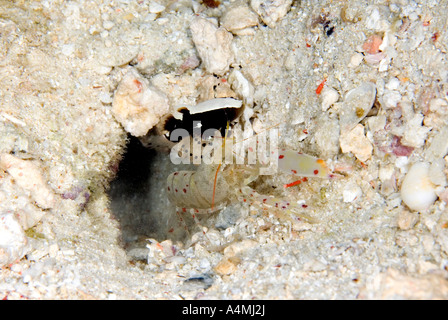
column 219, row 166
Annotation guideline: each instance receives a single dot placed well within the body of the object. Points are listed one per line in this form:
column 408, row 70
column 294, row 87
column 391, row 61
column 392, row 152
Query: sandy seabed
column 84, row 212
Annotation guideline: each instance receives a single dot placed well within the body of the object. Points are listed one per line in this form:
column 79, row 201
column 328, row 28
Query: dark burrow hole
column 138, row 198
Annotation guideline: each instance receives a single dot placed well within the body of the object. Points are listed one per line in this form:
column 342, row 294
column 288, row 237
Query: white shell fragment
column 356, row 142
column 13, row 242
column 327, row 137
column 329, row 97
column 436, row 172
column 213, row 45
column 417, row 190
column 137, row 105
column 351, row 192
column 356, row 105
column 271, row 11
column 439, row 145
column 242, row 86
column 29, row 177
column 239, row 20
column 415, row 132
column 155, row 7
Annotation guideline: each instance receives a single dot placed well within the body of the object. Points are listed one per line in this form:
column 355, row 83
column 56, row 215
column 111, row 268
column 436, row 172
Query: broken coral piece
column 356, row 142
column 29, row 177
column 137, row 105
column 271, row 11
column 13, row 242
column 239, row 20
column 213, row 45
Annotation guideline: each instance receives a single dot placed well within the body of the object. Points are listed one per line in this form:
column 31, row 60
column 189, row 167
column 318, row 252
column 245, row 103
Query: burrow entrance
column 138, row 197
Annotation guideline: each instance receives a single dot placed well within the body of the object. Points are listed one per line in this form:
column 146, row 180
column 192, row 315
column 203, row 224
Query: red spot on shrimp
column 304, row 206
column 281, row 156
column 316, row 171
column 184, row 209
column 184, row 190
column 175, row 190
column 175, row 173
column 169, row 189
column 294, row 171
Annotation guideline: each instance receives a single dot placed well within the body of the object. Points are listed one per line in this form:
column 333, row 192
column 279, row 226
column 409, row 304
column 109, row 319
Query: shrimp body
column 198, row 190
column 301, row 164
column 194, row 189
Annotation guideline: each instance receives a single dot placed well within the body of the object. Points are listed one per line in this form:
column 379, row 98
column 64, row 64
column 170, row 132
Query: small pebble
column 356, row 142
column 393, row 84
column 29, row 177
column 329, row 97
column 406, row 219
column 227, row 266
column 415, row 132
column 371, row 46
column 356, row 60
column 436, row 173
column 271, row 12
column 438, row 147
column 154, row 7
column 377, row 123
column 213, row 45
column 108, row 24
column 391, row 99
column 438, row 106
column 68, row 49
column 13, row 242
column 242, row 86
column 238, row 247
column 351, row 193
column 238, row 19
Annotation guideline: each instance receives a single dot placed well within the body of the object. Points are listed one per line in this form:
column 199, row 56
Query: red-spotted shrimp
column 212, row 187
